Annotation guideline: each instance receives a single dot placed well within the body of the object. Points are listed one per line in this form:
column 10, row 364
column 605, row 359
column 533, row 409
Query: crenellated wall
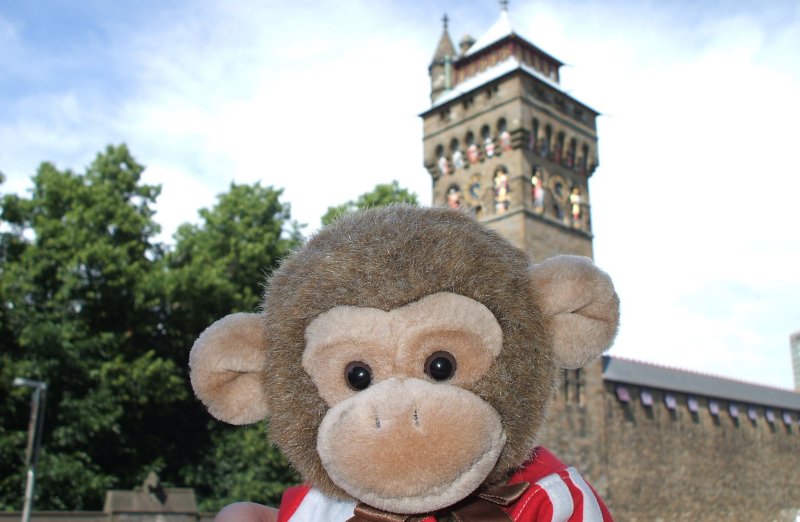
column 656, row 459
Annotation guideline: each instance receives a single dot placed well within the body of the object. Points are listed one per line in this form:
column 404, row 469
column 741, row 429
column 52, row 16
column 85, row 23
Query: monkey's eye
column 440, row 366
column 358, row 375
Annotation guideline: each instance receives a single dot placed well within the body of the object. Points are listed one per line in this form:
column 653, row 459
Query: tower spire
column 440, row 69
column 504, row 5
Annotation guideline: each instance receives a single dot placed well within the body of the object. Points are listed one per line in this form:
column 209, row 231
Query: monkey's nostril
column 377, row 422
column 416, row 418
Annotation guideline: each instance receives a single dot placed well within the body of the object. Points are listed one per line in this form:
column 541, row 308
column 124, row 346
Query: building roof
column 445, row 47
column 490, row 74
column 626, row 371
column 499, row 30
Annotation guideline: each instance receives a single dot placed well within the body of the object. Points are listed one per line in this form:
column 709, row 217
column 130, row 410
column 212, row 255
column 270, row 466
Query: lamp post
column 34, row 438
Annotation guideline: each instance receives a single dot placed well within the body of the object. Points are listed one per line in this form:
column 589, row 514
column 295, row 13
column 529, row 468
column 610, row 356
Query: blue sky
column 694, row 203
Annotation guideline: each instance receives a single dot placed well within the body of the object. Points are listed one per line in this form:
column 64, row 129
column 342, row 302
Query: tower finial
column 444, row 21
column 504, row 5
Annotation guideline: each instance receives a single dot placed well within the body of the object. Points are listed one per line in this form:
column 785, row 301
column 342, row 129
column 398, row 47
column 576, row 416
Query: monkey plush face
column 406, row 356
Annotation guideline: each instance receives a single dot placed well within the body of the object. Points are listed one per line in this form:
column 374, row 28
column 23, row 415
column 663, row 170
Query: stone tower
column 503, row 139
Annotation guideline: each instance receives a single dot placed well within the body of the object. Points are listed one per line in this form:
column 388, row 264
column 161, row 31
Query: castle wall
column 680, row 465
column 653, row 463
column 574, row 431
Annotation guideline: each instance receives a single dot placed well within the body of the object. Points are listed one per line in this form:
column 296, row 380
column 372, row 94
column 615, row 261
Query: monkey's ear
column 226, row 364
column 580, row 299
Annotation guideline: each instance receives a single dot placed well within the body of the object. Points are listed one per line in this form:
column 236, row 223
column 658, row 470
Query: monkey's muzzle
column 410, row 446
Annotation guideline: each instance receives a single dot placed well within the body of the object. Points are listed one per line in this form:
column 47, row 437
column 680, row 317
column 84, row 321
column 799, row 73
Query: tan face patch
column 410, row 446
column 399, row 342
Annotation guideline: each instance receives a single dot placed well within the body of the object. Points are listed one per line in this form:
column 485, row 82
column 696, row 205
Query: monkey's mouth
column 410, row 446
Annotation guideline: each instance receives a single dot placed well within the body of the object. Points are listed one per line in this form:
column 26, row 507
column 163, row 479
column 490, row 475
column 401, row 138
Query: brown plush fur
column 387, row 258
column 225, row 362
column 584, row 307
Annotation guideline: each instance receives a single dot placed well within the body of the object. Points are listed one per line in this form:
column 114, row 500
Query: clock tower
column 503, row 140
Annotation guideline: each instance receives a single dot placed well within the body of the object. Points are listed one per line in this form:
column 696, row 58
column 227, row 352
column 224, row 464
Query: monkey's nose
column 387, row 418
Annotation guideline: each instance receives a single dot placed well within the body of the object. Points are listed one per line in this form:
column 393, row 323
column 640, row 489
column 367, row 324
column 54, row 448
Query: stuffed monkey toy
column 406, row 358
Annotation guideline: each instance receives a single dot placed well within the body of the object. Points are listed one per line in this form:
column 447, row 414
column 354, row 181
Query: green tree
column 218, row 267
column 103, row 314
column 381, row 195
column 76, row 314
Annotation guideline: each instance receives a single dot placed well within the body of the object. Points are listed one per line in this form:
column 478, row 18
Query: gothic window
column 544, row 150
column 502, row 199
column 488, row 142
column 558, row 189
column 584, row 160
column 503, row 135
column 454, row 197
column 456, row 154
column 441, row 161
column 570, row 159
column 537, row 189
column 558, row 151
column 473, row 153
column 533, row 144
column 501, row 125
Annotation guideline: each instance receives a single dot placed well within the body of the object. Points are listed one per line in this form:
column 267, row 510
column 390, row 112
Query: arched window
column 533, row 143
column 570, row 159
column 453, row 145
column 456, row 154
column 473, row 152
column 442, row 161
column 488, row 142
column 503, row 136
column 547, row 141
column 501, row 126
column 560, row 197
column 502, row 199
column 584, row 161
column 454, row 197
column 558, row 153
